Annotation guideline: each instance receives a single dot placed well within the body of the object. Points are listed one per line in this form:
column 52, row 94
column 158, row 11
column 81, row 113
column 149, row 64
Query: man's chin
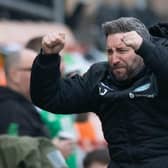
column 121, row 77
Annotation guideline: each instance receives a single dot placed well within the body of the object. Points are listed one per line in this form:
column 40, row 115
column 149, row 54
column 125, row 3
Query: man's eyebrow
column 109, row 49
column 124, row 47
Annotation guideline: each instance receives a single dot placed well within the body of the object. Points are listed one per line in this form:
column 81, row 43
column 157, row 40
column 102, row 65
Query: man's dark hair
column 34, row 43
column 99, row 155
column 126, row 24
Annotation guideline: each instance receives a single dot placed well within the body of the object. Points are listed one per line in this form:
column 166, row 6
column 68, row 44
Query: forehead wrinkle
column 115, row 40
column 120, row 44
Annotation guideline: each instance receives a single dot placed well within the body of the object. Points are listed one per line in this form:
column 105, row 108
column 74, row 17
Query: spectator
column 17, row 112
column 98, row 158
column 87, row 137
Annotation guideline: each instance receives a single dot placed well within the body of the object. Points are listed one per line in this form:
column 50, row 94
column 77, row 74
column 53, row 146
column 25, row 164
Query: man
column 128, row 93
column 18, row 115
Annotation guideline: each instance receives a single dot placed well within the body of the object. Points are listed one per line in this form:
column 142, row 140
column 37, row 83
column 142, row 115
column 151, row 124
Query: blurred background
column 82, row 17
column 24, row 22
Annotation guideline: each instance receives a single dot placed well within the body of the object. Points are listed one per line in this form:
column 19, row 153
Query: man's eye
column 109, row 51
column 123, row 50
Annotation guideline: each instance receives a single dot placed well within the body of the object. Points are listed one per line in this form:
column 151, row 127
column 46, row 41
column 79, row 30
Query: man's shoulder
column 99, row 67
column 159, row 34
column 96, row 72
column 159, row 30
column 14, row 101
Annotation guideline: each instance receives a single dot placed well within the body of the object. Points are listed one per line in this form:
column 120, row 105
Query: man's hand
column 53, row 43
column 133, row 39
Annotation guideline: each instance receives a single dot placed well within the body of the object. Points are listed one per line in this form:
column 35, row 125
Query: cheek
column 25, row 76
column 109, row 59
column 25, row 81
column 130, row 59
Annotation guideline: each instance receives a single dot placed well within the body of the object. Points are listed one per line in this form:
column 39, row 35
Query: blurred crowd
column 78, row 137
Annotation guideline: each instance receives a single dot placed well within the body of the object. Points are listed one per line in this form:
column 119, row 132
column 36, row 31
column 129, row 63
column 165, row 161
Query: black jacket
column 134, row 114
column 14, row 108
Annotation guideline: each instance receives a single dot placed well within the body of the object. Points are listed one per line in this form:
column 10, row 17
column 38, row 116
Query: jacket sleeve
column 51, row 92
column 155, row 56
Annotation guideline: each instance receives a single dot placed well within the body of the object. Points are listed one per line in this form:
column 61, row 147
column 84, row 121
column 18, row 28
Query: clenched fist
column 132, row 39
column 53, row 43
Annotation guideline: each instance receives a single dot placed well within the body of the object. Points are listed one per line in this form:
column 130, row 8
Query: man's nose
column 115, row 59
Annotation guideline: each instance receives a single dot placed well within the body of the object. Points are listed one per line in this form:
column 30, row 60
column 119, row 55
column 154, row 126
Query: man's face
column 122, row 59
column 27, row 57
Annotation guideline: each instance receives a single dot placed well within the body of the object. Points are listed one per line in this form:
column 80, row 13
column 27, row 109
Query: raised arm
column 154, row 54
column 49, row 91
